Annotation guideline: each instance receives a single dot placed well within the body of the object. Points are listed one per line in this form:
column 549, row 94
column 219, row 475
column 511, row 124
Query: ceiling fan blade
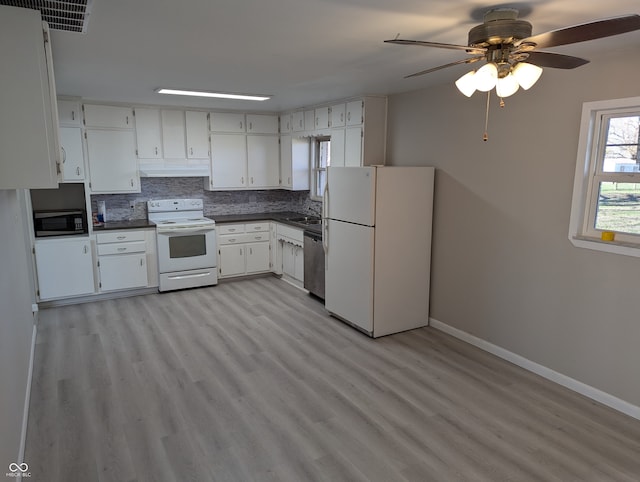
column 585, row 31
column 555, row 61
column 421, row 43
column 465, row 61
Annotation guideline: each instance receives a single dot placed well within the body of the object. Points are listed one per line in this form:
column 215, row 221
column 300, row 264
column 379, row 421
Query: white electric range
column 186, row 243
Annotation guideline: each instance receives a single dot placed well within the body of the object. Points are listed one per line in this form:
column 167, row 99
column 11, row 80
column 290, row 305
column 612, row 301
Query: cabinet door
column 258, row 257
column 197, row 135
column 322, row 118
column 112, row 161
column 72, row 154
column 69, row 113
column 228, row 161
column 309, row 120
column 285, row 124
column 262, row 124
column 65, row 268
column 227, row 122
column 232, row 260
column 298, row 264
column 286, row 157
column 289, row 259
column 354, row 113
column 300, row 152
column 263, row 161
column 337, row 147
column 338, row 115
column 173, row 134
column 297, row 121
column 353, row 147
column 148, row 133
column 108, row 116
column 123, row 271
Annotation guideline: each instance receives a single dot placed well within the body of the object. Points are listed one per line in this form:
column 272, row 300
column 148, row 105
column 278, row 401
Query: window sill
column 615, row 247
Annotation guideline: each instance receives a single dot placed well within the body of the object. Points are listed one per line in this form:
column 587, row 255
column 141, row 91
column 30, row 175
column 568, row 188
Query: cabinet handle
column 78, row 171
column 232, row 230
column 121, row 237
column 257, row 228
column 317, row 121
column 250, row 125
column 64, row 154
column 232, row 240
column 241, row 125
column 251, row 179
column 156, row 151
column 141, row 262
column 73, row 115
column 127, row 120
column 341, row 116
column 258, row 238
column 122, row 249
column 250, row 250
column 348, row 116
column 131, row 182
column 191, row 151
column 242, row 180
column 240, row 251
column 86, row 250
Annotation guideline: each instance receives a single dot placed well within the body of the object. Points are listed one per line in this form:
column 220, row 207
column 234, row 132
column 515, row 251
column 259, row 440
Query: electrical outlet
column 132, row 204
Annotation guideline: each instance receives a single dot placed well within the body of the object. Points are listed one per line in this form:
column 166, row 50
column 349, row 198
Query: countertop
column 279, row 216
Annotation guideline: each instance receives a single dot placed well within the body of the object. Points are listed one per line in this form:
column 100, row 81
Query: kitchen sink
column 305, row 220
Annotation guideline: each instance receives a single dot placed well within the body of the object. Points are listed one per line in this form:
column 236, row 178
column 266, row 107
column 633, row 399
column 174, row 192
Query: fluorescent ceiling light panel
column 220, row 95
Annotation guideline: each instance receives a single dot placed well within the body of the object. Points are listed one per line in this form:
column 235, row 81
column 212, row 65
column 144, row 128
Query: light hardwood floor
column 251, row 380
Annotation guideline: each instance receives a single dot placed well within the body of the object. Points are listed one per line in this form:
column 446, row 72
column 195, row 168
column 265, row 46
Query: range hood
column 176, row 170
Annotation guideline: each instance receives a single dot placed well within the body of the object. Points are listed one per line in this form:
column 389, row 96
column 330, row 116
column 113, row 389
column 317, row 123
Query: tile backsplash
column 118, row 206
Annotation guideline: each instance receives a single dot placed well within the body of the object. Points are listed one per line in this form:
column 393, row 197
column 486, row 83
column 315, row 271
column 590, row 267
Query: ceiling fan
column 512, row 54
column 505, row 38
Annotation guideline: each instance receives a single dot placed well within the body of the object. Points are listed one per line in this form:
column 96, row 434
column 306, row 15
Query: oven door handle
column 186, row 230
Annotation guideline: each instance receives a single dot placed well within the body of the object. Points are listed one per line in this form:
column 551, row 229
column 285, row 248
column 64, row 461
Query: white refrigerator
column 377, row 239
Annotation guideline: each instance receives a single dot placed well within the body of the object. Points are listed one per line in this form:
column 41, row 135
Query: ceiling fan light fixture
column 486, row 77
column 526, row 74
column 467, row 83
column 507, row 86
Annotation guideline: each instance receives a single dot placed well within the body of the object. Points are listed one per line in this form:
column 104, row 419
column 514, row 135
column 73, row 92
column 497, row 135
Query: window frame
column 589, row 174
column 316, row 169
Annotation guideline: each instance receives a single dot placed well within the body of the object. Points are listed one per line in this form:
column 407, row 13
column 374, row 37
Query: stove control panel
column 167, row 205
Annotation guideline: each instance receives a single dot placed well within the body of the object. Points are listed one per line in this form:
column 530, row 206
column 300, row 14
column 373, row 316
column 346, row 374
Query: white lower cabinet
column 243, row 249
column 122, row 260
column 64, row 268
column 290, row 254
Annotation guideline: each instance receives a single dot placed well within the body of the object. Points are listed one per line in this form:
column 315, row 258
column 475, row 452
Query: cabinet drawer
column 256, row 237
column 240, row 238
column 230, row 228
column 290, row 232
column 121, row 248
column 256, row 227
column 108, row 116
column 119, row 237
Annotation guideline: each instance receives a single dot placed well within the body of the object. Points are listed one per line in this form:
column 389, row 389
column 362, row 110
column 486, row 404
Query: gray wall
column 16, row 325
column 503, row 268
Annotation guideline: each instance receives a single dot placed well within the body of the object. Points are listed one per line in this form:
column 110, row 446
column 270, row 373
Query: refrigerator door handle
column 325, row 224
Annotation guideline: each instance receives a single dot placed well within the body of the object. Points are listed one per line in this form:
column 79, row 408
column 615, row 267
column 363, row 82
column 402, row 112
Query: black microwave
column 60, row 223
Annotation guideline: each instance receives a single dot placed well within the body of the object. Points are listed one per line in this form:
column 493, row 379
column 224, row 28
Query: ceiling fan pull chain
column 485, row 137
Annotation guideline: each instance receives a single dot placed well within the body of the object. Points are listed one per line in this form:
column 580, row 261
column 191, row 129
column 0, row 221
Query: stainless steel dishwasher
column 314, row 263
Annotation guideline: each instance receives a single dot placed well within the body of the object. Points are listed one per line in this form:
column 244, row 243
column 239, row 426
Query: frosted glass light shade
column 486, row 77
column 526, row 74
column 507, row 86
column 467, row 84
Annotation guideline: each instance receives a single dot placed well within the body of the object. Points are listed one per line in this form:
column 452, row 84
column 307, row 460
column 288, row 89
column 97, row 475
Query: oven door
column 183, row 249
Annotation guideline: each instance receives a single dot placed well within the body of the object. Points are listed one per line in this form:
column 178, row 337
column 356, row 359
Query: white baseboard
column 27, row 398
column 568, row 382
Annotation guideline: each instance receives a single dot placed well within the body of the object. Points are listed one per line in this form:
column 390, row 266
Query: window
column 607, row 183
column 321, row 159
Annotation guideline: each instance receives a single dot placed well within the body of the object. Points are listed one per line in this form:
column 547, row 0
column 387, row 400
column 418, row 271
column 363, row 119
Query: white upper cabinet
column 112, row 160
column 297, row 121
column 174, row 140
column 337, row 147
column 227, row 122
column 294, row 163
column 262, row 124
column 69, row 113
column 108, row 116
column 354, row 115
column 197, row 134
column 29, row 139
column 148, row 133
column 263, row 160
column 228, row 161
column 322, row 118
column 338, row 112
column 285, row 124
column 309, row 120
column 72, row 153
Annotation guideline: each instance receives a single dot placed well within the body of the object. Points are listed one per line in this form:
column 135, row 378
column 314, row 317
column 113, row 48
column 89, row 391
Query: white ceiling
column 303, row 52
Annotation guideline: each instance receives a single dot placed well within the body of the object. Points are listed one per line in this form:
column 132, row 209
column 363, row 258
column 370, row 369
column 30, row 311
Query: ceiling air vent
column 69, row 15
